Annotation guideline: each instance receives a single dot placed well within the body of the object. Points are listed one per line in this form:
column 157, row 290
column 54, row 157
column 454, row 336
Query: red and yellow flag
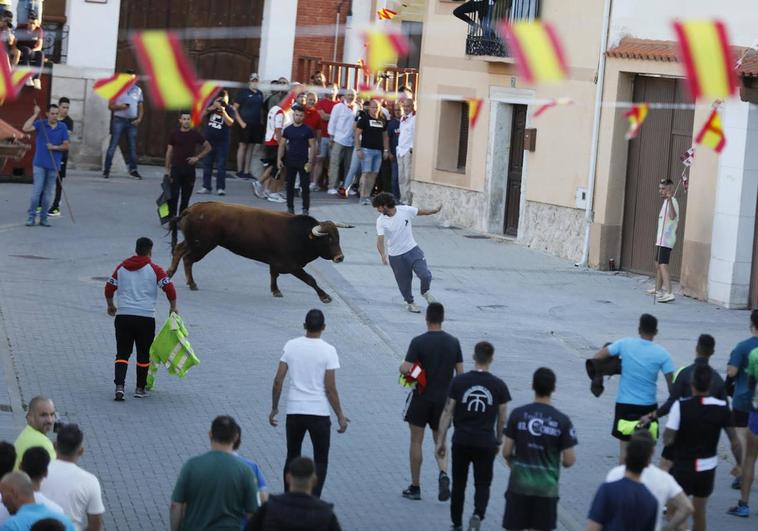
column 171, row 79
column 386, row 14
column 704, row 52
column 206, row 94
column 19, row 76
column 636, row 116
column 474, row 110
column 7, row 88
column 112, row 87
column 537, row 50
column 550, row 104
column 712, row 134
column 384, row 48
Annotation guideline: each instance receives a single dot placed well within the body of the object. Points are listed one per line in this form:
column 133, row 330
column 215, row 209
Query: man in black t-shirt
column 300, row 143
column 439, row 355
column 476, row 400
column 372, row 145
column 181, row 159
column 218, row 119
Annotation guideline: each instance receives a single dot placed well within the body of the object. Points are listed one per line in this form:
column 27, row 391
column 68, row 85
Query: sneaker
column 313, row 187
column 37, row 84
column 248, row 176
column 291, row 211
column 737, row 484
column 365, row 201
column 140, row 392
column 475, row 523
column 666, row 297
column 444, row 487
column 276, row 198
column 456, row 528
column 220, row 191
column 30, row 222
column 39, row 209
column 136, row 175
column 258, row 190
column 119, row 393
column 652, row 291
column 353, row 192
column 332, row 191
column 240, row 175
column 412, row 307
column 741, row 509
column 54, row 212
column 44, row 223
column 106, row 174
column 413, row 492
column 429, row 297
column 203, row 191
column 29, row 83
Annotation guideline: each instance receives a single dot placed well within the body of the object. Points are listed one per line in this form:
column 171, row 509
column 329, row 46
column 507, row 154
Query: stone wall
column 552, row 229
column 460, row 207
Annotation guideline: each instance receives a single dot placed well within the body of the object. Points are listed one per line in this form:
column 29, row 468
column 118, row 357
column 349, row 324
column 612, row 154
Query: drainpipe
column 588, row 214
column 337, row 31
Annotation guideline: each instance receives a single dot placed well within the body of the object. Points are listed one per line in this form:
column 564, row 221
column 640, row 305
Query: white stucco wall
column 277, row 39
column 361, row 16
column 93, row 34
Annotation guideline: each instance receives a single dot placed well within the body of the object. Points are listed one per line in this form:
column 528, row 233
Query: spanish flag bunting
column 705, row 54
column 112, row 87
column 474, row 110
column 537, row 50
column 7, row 90
column 386, row 14
column 636, row 116
column 171, row 79
column 550, row 104
column 384, row 48
column 19, row 76
column 207, row 93
column 712, row 134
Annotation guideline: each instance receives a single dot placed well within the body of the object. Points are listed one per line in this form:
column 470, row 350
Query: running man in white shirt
column 668, row 222
column 311, row 363
column 394, row 231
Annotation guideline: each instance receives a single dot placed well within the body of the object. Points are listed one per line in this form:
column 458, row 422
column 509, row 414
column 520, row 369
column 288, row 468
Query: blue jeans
column 395, row 182
column 44, row 184
column 118, row 126
column 216, row 159
column 372, row 160
column 355, row 169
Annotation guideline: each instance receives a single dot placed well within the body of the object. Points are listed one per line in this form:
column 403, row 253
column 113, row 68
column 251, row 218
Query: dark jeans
column 481, row 7
column 395, row 182
column 319, row 430
column 216, row 159
column 120, row 126
column 30, row 58
column 131, row 330
column 293, row 170
column 483, row 460
column 58, row 188
column 182, row 183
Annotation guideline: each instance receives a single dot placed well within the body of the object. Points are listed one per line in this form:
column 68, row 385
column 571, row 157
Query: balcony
column 486, row 16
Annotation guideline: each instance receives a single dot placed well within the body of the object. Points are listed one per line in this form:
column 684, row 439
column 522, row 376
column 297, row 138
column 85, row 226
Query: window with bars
column 484, row 16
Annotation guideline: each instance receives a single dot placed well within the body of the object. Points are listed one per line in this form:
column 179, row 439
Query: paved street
column 537, row 310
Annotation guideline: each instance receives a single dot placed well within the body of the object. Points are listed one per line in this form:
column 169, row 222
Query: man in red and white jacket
column 136, row 281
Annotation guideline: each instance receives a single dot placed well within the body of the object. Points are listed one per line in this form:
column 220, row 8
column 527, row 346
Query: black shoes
column 136, row 175
column 444, row 487
column 413, row 492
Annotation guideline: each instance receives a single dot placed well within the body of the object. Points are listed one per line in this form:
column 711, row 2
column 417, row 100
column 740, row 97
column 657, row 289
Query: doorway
column 515, row 171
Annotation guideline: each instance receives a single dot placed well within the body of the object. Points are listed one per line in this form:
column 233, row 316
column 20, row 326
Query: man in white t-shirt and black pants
column 312, row 363
column 394, row 230
column 668, row 222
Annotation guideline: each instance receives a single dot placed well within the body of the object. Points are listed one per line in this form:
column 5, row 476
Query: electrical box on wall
column 581, row 197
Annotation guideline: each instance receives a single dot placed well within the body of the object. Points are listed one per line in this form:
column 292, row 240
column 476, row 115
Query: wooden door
column 515, row 168
column 654, row 155
column 222, row 59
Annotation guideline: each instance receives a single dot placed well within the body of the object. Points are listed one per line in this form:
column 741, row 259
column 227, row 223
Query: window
column 452, row 144
column 484, row 17
column 412, row 30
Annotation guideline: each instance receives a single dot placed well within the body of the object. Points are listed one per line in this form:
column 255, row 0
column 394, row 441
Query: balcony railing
column 483, row 38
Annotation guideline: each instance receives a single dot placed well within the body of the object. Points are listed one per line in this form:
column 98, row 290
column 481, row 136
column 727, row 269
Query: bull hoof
column 192, row 286
column 277, row 294
column 325, row 298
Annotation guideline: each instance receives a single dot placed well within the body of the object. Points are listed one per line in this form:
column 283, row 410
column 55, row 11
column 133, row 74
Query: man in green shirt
column 215, row 489
column 40, row 418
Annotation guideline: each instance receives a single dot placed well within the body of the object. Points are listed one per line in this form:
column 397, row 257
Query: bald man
column 40, row 418
column 18, row 497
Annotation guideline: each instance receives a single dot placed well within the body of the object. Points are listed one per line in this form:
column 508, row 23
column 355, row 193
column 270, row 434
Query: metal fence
column 483, row 37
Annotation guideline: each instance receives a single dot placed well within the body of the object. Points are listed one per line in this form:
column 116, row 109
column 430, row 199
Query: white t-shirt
column 307, row 361
column 666, row 235
column 276, row 119
column 661, row 485
column 74, row 489
column 133, row 97
column 38, row 498
column 397, row 231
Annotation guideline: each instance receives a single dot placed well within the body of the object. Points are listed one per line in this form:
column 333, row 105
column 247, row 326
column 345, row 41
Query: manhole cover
column 100, row 279
column 476, row 236
column 30, row 257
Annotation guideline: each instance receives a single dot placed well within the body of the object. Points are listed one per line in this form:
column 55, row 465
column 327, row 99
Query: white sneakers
column 276, row 197
column 203, row 191
column 332, row 191
column 313, row 187
column 37, row 84
column 652, row 291
column 665, row 297
column 220, row 191
column 258, row 190
column 429, row 297
column 412, row 307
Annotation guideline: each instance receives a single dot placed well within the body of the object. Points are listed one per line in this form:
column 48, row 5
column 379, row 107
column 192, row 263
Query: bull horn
column 344, row 226
column 316, row 232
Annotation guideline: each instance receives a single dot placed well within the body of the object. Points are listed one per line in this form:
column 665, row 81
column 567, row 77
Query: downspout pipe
column 337, row 31
column 591, row 177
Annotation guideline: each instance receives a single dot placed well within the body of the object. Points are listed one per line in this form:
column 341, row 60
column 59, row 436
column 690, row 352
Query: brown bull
column 285, row 242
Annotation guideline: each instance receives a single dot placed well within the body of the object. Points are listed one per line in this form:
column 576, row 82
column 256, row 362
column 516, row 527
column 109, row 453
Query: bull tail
column 173, row 227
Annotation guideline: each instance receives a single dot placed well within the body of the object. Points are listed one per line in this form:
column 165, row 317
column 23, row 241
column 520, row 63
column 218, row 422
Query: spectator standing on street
column 393, row 132
column 539, row 439
column 64, row 105
column 72, row 487
column 668, row 222
column 35, row 464
column 30, row 39
column 627, row 504
column 641, row 360
column 661, row 484
column 248, row 106
column 312, row 364
column 181, row 158
column 693, row 429
column 128, row 110
column 394, row 231
column 325, row 106
column 438, row 355
column 40, row 418
column 276, row 121
column 218, row 122
column 214, row 490
column 7, row 457
column 372, row 146
column 477, row 404
column 50, row 143
column 136, row 281
column 342, row 134
column 405, row 150
column 300, row 143
column 297, row 509
column 18, row 497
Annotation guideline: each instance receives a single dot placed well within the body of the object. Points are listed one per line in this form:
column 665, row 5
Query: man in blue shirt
column 18, row 497
column 249, row 105
column 51, row 142
column 641, row 360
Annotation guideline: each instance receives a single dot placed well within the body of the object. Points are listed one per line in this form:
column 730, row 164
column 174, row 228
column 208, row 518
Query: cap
column 253, row 77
